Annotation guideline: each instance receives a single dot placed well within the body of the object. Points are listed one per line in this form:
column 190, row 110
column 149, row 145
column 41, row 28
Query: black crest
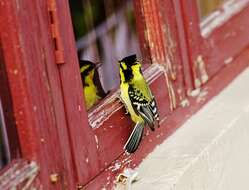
column 85, row 63
column 129, row 60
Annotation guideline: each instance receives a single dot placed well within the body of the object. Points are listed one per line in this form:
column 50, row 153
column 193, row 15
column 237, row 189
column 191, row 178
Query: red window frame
column 52, row 122
column 216, row 41
column 35, row 88
column 157, row 46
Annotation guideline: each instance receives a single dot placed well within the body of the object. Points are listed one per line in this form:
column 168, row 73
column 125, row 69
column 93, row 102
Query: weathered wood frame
column 52, row 123
column 216, row 41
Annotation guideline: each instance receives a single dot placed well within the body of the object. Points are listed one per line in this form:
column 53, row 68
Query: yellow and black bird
column 138, row 100
column 93, row 90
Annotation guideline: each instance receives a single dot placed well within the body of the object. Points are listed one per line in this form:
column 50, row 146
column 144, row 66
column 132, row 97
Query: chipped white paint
column 115, row 167
column 202, row 96
column 87, row 160
column 219, row 17
column 35, row 108
column 228, row 60
column 197, row 83
column 210, row 151
column 195, row 92
column 201, row 67
column 24, row 175
column 15, row 72
column 126, row 161
column 184, row 103
column 97, row 141
column 171, row 91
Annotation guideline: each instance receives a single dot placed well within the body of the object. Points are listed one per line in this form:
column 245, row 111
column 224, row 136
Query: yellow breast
column 126, row 100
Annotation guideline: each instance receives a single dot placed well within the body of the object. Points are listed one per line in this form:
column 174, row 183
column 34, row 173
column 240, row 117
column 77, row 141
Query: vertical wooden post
column 35, row 87
column 193, row 36
column 159, row 39
column 83, row 143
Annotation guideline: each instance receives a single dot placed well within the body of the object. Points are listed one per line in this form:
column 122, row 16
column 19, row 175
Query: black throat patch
column 128, row 74
column 90, row 66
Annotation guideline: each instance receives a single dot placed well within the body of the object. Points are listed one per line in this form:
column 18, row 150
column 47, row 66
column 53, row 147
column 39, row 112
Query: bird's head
column 87, row 71
column 87, row 68
column 128, row 67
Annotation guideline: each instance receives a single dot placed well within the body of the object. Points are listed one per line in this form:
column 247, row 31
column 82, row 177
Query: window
column 216, row 32
column 169, row 32
column 105, row 32
column 103, row 130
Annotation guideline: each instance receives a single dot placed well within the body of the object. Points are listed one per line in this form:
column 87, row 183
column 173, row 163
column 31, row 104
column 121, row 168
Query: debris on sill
column 124, row 180
column 202, row 96
column 184, row 103
column 195, row 92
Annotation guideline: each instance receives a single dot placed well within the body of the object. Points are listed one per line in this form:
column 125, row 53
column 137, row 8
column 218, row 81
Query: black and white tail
column 153, row 107
column 135, row 138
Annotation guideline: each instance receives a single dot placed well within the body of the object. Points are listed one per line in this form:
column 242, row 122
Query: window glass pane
column 105, row 33
column 9, row 143
column 208, row 6
column 4, row 146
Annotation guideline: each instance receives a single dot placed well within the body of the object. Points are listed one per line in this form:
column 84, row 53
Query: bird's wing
column 143, row 106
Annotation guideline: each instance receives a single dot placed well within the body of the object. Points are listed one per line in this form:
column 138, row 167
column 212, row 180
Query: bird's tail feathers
column 135, row 138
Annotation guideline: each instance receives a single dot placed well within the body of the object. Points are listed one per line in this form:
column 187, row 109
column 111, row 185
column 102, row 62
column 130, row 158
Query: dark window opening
column 9, row 143
column 4, row 145
column 105, row 32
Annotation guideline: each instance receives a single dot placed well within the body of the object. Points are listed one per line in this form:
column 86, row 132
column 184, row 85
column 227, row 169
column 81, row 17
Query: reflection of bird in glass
column 138, row 100
column 93, row 90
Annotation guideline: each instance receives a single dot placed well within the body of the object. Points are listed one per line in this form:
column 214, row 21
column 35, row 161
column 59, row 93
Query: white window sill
column 210, row 151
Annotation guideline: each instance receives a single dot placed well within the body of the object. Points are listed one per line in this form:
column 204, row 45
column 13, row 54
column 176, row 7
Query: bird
column 92, row 88
column 138, row 99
